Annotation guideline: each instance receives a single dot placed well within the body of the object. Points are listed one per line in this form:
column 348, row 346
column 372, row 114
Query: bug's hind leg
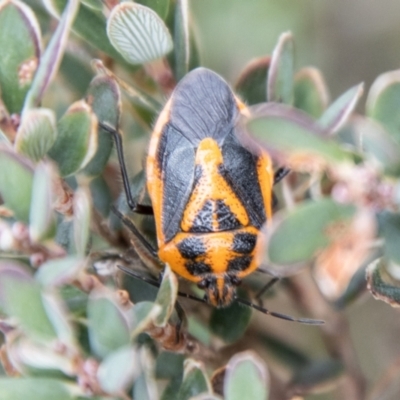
column 133, row 205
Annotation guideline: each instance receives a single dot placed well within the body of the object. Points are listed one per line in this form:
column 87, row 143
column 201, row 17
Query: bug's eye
column 235, row 280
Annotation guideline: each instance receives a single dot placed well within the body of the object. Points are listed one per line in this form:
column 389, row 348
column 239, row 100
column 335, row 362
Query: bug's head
column 220, row 290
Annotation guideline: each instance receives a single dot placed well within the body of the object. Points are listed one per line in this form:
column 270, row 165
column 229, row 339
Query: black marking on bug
column 204, row 218
column 191, row 247
column 240, row 263
column 198, row 268
column 225, row 217
column 244, row 242
column 240, row 171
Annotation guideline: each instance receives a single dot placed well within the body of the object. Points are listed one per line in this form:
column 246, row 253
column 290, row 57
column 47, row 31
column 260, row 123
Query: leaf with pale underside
column 138, row 33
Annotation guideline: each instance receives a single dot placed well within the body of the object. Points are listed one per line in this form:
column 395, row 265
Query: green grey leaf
column 376, row 142
column 36, row 133
column 339, row 111
column 51, row 58
column 118, row 370
column 166, row 296
column 310, row 92
column 16, row 180
column 382, row 102
column 143, row 316
column 34, row 389
column 161, row 7
column 286, row 130
column 246, row 377
column 104, row 97
column 138, row 33
column 280, row 74
column 145, row 387
column 230, row 323
column 42, row 223
column 108, row 326
column 89, row 23
column 21, row 298
column 389, row 224
column 252, row 83
column 20, row 43
column 195, row 380
column 82, row 219
column 303, row 231
column 76, row 142
column 59, row 271
column 181, row 39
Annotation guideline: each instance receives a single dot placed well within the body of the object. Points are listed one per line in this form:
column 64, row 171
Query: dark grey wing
column 240, row 170
column 176, row 158
column 203, row 105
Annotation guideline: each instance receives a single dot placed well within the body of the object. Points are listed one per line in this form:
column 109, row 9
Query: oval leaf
column 246, row 377
column 310, row 92
column 280, row 74
column 21, row 298
column 104, row 97
column 16, row 180
column 230, row 323
column 340, row 110
column 37, row 133
column 34, row 389
column 20, row 40
column 42, row 223
column 118, row 370
column 286, row 131
column 138, row 33
column 166, row 296
column 382, row 102
column 82, row 218
column 195, row 380
column 389, row 224
column 108, row 327
column 252, row 82
column 89, row 23
column 59, row 271
column 51, row 58
column 305, row 230
column 181, row 39
column 76, row 142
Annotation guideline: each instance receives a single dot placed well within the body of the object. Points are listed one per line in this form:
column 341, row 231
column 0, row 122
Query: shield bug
column 211, row 197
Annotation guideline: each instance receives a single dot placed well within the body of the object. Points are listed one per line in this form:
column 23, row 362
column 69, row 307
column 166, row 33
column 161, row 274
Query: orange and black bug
column 211, row 197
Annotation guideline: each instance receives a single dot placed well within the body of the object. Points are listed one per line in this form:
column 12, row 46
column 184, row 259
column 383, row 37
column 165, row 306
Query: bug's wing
column 241, row 171
column 177, row 157
column 203, row 106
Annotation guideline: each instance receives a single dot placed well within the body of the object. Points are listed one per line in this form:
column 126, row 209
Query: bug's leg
column 137, row 208
column 146, row 252
column 264, row 289
column 280, row 173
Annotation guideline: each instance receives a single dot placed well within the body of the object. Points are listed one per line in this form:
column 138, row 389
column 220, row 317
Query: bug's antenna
column 155, row 283
column 133, row 205
column 248, row 303
column 306, row 321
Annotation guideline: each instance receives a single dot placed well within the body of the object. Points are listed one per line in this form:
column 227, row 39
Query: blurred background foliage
column 350, row 41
